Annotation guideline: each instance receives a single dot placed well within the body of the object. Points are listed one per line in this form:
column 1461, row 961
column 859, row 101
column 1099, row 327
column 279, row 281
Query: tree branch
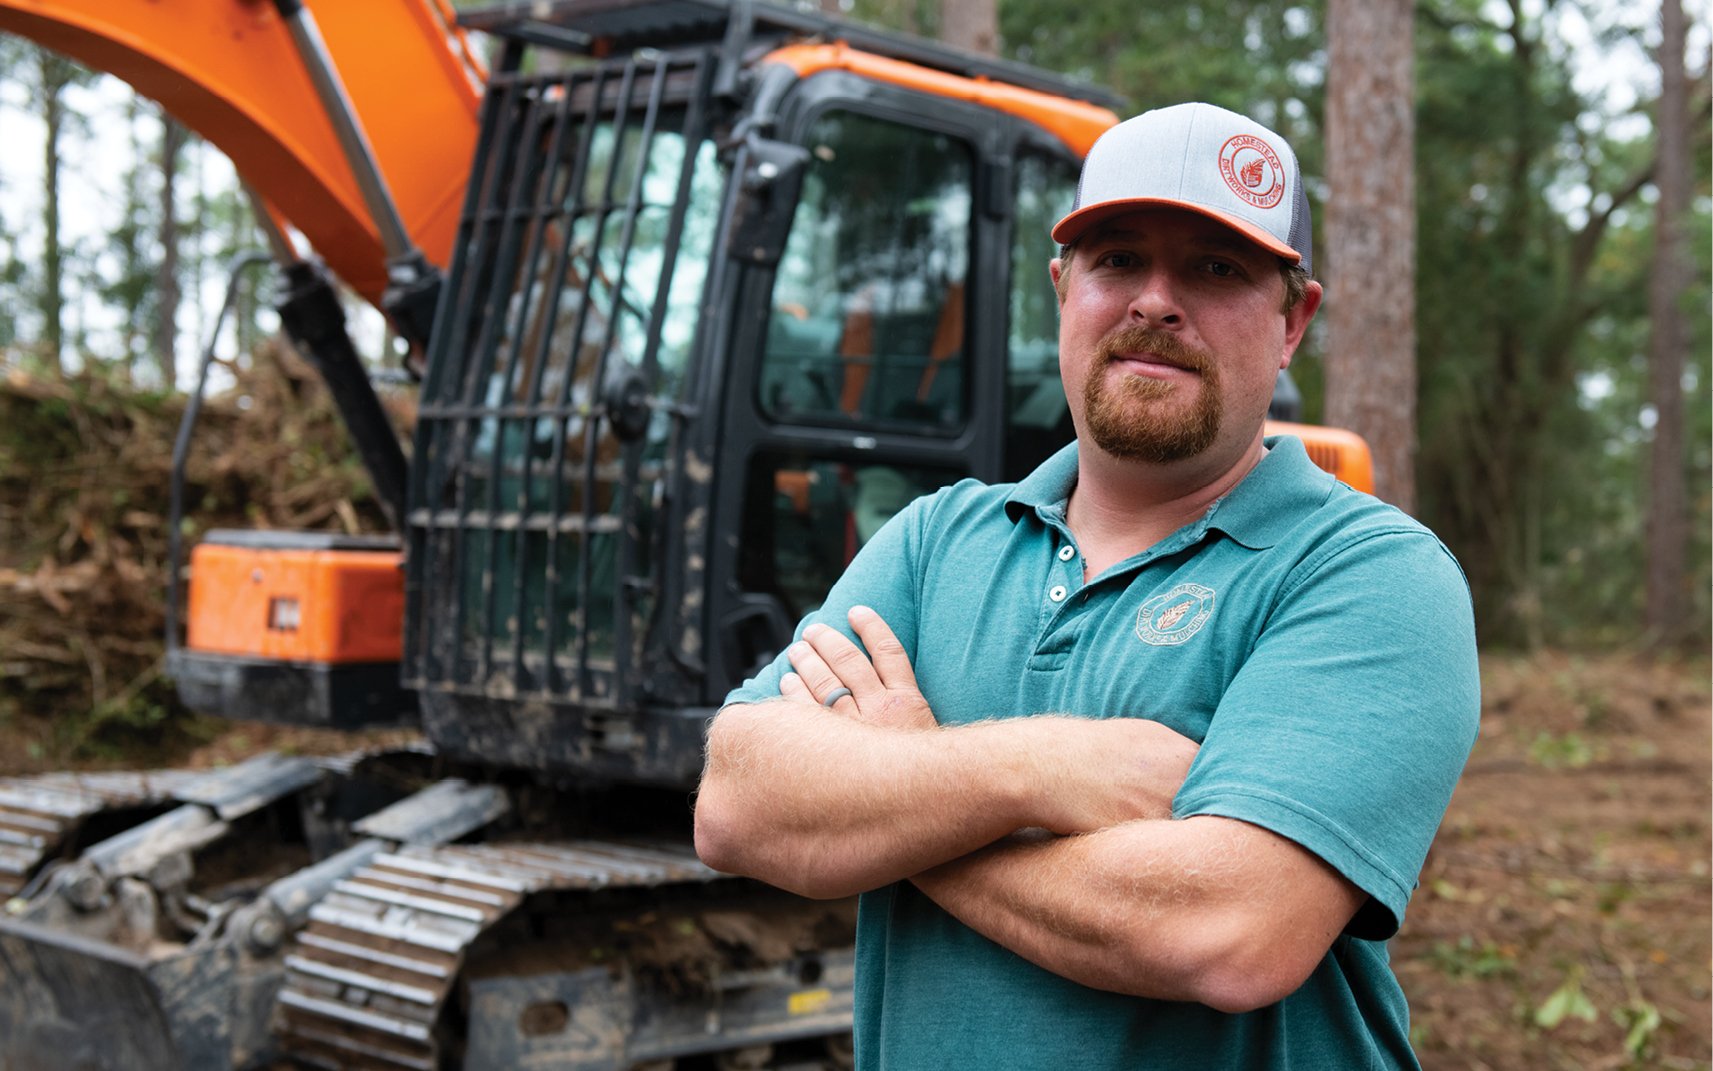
column 1588, row 238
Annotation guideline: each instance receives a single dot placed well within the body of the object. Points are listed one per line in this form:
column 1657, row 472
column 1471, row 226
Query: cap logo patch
column 1170, row 619
column 1253, row 171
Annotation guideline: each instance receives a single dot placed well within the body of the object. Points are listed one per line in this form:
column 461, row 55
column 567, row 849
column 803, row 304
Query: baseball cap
column 1202, row 158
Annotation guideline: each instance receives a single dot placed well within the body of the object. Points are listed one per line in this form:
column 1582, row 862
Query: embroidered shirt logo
column 1170, row 619
column 1253, row 170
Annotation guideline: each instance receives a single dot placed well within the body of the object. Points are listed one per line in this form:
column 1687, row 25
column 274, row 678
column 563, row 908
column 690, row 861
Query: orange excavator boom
column 228, row 69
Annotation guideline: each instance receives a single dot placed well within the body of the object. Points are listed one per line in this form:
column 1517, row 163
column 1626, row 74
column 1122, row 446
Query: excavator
column 700, row 292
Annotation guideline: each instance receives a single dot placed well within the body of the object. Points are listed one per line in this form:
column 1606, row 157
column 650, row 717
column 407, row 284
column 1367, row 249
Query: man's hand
column 882, row 683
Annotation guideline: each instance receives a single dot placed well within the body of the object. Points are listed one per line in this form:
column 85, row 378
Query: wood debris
column 85, row 464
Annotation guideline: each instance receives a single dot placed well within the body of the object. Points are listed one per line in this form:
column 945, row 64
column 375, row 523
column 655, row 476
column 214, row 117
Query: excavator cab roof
column 612, row 27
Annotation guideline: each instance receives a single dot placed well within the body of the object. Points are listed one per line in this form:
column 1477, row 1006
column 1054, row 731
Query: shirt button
column 1067, row 552
column 1058, row 593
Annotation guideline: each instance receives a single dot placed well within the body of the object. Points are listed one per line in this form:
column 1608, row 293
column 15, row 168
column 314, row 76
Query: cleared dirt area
column 1563, row 916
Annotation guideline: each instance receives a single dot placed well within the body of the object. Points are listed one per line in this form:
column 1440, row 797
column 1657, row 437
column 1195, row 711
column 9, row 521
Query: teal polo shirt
column 1317, row 643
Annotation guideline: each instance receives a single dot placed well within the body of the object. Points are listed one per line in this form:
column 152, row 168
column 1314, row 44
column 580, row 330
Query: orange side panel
column 322, row 606
column 228, row 70
column 1343, row 453
column 1076, row 123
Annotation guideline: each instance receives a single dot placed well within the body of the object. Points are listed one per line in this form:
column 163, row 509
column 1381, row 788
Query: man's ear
column 1297, row 319
column 1055, row 268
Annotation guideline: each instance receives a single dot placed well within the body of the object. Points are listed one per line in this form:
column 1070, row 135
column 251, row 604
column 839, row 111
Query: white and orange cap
column 1202, row 158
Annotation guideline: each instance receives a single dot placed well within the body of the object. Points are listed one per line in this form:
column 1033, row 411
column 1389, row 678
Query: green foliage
column 14, row 283
column 1466, row 959
column 1640, row 1021
column 1555, row 751
column 131, row 286
column 100, row 294
column 1614, row 895
column 142, row 722
column 1568, row 1001
column 1533, row 328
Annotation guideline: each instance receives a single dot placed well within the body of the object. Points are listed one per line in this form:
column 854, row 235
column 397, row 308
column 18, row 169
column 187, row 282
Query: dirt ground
column 1563, row 918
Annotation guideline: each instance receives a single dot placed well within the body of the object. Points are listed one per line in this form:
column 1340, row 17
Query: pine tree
column 1667, row 534
column 1369, row 258
column 168, row 156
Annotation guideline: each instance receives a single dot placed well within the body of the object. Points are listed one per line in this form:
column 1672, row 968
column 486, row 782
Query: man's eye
column 1221, row 269
column 1117, row 260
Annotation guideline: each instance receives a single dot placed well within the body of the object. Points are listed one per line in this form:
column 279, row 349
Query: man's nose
column 1156, row 300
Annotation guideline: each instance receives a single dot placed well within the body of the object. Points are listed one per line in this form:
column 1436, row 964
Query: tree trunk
column 167, row 291
column 972, row 25
column 1667, row 530
column 55, row 73
column 130, row 292
column 1371, row 235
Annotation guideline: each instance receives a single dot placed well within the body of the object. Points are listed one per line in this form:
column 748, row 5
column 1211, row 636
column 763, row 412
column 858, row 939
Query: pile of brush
column 85, row 463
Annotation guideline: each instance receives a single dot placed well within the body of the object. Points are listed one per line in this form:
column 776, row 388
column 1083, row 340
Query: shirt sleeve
column 1347, row 727
column 882, row 577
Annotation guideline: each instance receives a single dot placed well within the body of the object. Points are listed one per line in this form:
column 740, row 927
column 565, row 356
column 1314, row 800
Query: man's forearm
column 827, row 805
column 1207, row 909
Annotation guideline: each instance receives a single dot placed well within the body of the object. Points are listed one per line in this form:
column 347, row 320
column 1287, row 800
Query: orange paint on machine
column 1342, row 453
column 326, row 604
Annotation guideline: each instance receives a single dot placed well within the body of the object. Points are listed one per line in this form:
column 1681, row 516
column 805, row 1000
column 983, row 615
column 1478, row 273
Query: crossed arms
column 1050, row 836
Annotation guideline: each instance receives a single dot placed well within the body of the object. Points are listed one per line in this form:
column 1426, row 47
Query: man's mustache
column 1132, row 338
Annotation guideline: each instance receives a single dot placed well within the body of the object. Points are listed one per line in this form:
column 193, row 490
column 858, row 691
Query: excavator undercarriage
column 251, row 919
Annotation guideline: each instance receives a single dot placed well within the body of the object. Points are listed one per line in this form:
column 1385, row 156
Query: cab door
column 871, row 365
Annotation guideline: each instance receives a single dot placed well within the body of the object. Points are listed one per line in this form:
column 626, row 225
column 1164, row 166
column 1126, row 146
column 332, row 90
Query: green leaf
column 1567, row 1002
column 1643, row 1020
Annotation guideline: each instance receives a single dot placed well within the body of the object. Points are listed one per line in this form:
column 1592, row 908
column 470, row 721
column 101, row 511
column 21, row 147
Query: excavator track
column 368, row 977
column 38, row 814
column 401, row 950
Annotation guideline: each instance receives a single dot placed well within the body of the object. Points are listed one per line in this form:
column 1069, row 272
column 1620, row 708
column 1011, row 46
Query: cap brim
column 1076, row 224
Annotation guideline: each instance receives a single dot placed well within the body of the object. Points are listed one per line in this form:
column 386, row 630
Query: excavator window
column 584, row 278
column 867, row 322
column 544, row 428
column 866, row 331
column 817, row 514
column 582, row 291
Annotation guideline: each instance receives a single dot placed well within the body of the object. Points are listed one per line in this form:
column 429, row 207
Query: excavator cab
column 717, row 308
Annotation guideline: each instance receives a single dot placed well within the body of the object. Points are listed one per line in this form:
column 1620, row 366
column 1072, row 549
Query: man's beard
column 1134, row 419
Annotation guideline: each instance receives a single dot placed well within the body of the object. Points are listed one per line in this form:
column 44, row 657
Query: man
column 1146, row 751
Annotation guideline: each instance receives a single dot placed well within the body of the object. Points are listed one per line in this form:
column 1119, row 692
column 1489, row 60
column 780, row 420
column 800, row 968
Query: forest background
column 1535, row 147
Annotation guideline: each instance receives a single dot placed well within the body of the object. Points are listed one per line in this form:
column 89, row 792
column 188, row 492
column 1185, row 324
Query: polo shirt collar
column 1048, row 487
column 1257, row 513
column 1272, row 499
